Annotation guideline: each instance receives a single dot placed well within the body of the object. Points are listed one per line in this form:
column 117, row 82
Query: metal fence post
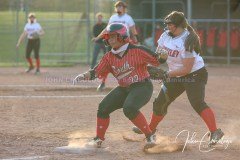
column 88, row 31
column 189, row 11
column 17, row 35
column 62, row 30
column 228, row 33
column 153, row 21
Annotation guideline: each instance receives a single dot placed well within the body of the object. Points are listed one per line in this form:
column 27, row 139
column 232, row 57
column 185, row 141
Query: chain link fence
column 68, row 27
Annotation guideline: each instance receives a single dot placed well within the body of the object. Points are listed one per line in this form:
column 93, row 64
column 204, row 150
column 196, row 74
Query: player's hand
column 17, row 46
column 94, row 39
column 162, row 53
column 78, row 78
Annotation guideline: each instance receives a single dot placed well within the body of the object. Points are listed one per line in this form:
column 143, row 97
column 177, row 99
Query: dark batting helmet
column 176, row 18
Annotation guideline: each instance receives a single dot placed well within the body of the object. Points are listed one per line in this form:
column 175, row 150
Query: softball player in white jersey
column 33, row 31
column 186, row 73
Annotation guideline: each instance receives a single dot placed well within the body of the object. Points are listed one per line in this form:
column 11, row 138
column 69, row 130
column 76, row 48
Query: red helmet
column 117, row 28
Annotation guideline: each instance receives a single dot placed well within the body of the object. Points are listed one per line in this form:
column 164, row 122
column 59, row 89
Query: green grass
column 71, row 37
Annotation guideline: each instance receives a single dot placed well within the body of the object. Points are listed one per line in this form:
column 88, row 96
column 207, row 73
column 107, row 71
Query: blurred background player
column 120, row 17
column 187, row 72
column 33, row 31
column 128, row 64
column 98, row 44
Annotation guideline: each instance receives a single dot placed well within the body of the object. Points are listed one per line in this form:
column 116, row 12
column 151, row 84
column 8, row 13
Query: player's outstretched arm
column 134, row 34
column 99, row 36
column 21, row 38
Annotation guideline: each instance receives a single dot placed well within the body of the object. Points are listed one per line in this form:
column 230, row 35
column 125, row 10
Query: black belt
column 145, row 80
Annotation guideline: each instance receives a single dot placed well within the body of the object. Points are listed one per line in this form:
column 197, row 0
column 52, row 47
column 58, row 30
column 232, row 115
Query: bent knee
column 102, row 111
column 130, row 113
column 199, row 106
column 160, row 104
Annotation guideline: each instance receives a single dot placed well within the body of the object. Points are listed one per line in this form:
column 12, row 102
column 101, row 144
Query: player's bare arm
column 134, row 33
column 21, row 38
column 41, row 32
column 99, row 36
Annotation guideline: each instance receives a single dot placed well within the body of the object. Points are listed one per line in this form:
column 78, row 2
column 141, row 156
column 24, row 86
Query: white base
column 83, row 150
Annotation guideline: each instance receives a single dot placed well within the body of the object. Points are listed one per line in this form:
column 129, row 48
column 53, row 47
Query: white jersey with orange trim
column 177, row 52
column 124, row 19
column 31, row 28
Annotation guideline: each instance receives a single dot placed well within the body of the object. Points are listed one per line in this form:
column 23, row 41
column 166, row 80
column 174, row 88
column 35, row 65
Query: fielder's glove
column 155, row 73
column 35, row 35
column 158, row 74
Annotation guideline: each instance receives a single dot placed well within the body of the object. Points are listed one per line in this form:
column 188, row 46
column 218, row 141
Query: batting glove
column 80, row 77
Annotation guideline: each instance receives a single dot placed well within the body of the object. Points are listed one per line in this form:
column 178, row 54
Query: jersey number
column 134, row 78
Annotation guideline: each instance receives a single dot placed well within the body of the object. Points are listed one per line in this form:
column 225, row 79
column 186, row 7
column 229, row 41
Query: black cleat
column 215, row 137
column 138, row 131
column 101, row 87
column 29, row 69
column 150, row 141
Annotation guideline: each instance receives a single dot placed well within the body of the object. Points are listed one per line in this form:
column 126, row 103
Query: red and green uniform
column 130, row 68
column 134, row 90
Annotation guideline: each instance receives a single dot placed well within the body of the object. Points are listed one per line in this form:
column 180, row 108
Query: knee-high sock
column 30, row 62
column 102, row 125
column 104, row 79
column 154, row 121
column 141, row 122
column 38, row 63
column 209, row 118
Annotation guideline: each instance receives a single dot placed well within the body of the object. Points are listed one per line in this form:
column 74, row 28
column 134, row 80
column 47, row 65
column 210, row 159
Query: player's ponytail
column 192, row 41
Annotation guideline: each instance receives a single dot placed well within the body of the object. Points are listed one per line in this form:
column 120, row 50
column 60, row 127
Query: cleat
column 215, row 137
column 29, row 69
column 37, row 71
column 138, row 131
column 95, row 143
column 101, row 87
column 150, row 141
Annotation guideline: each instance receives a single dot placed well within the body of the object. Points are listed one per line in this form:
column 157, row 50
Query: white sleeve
column 111, row 20
column 25, row 27
column 187, row 54
column 161, row 39
column 130, row 22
